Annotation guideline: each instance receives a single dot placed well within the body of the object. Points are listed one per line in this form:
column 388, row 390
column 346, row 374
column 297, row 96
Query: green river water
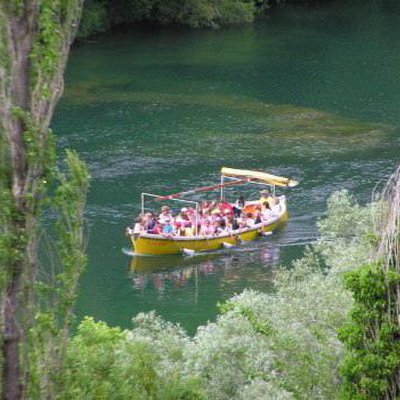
column 311, row 92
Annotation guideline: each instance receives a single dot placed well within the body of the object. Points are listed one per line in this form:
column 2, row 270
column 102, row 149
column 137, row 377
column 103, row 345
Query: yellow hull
column 155, row 245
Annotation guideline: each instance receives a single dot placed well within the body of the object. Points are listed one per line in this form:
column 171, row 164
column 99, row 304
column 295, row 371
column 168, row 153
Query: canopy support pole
column 222, row 188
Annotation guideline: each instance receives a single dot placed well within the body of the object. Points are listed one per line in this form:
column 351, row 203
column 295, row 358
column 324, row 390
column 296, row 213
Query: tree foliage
column 370, row 335
column 371, row 368
column 99, row 15
column 280, row 345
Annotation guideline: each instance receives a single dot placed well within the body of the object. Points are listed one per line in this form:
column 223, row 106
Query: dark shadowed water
column 310, row 93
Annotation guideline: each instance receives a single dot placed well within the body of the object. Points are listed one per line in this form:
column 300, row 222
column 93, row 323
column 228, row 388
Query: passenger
column 183, row 218
column 249, row 220
column 167, row 227
column 232, row 223
column 276, row 207
column 150, row 222
column 157, row 230
column 189, row 231
column 225, row 208
column 215, row 215
column 265, row 196
column 215, row 225
column 136, row 227
column 165, row 214
column 206, row 228
column 214, row 207
column 222, row 228
column 266, row 212
column 204, row 206
column 205, row 215
column 257, row 219
column 242, row 223
column 238, row 207
column 226, row 215
column 193, row 216
column 183, row 222
column 179, row 229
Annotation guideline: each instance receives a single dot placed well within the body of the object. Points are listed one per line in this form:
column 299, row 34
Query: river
column 312, row 93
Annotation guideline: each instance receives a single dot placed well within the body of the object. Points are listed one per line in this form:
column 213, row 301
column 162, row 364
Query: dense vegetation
column 282, row 345
column 101, row 15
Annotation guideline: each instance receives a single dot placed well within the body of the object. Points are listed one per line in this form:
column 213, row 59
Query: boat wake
column 131, row 253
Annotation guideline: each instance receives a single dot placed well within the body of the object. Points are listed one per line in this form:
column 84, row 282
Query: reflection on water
column 183, row 272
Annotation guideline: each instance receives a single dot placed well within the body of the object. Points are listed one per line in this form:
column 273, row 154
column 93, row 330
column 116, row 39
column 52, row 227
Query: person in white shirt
column 276, row 207
column 266, row 211
column 165, row 215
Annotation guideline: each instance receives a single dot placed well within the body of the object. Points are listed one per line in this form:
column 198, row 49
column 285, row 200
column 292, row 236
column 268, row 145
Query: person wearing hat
column 165, row 214
column 266, row 197
column 167, row 227
column 182, row 221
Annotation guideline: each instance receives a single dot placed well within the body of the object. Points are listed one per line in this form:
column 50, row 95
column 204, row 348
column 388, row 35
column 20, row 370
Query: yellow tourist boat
column 152, row 244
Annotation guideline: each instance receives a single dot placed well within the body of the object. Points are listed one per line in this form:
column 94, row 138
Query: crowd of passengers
column 212, row 218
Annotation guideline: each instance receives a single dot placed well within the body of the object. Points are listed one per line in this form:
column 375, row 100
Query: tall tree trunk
column 21, row 34
column 35, row 37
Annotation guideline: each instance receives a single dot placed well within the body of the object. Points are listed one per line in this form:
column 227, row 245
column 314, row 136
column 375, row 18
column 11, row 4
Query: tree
column 371, row 366
column 35, row 38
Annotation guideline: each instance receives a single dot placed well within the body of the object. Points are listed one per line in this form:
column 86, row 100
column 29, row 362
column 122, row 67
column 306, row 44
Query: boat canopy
column 258, row 176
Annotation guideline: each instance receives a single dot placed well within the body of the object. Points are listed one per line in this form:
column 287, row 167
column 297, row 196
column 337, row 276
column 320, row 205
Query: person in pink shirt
column 207, row 229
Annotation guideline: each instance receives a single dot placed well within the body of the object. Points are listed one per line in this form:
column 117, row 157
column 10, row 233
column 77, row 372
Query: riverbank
column 100, row 16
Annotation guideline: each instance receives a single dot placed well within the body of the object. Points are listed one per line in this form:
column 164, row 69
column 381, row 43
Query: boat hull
column 148, row 244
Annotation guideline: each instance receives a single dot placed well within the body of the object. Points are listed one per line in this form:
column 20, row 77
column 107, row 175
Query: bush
column 282, row 345
column 98, row 15
column 94, row 19
column 371, row 335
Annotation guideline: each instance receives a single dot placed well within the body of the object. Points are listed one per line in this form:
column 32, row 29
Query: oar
column 202, row 189
column 188, row 252
column 263, row 233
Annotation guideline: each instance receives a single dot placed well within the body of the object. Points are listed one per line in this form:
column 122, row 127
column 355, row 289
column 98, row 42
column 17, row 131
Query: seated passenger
column 193, row 216
column 249, row 220
column 183, row 218
column 205, row 215
column 138, row 226
column 179, row 229
column 242, row 223
column 157, row 230
column 204, row 206
column 238, row 207
column 222, row 228
column 276, row 206
column 225, row 208
column 150, row 222
column 214, row 209
column 266, row 212
column 189, row 231
column 265, row 196
column 206, row 228
column 167, row 227
column 257, row 219
column 215, row 215
column 231, row 223
column 165, row 214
